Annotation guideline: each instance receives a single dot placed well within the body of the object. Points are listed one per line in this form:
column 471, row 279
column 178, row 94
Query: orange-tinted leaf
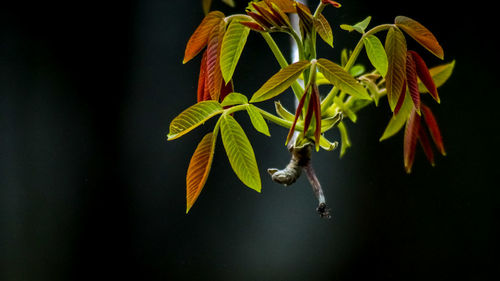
column 424, row 75
column 200, row 37
column 199, row 167
column 333, row 3
column 214, row 74
column 401, row 99
column 284, row 5
column 410, row 140
column 279, row 13
column 202, row 77
column 430, row 120
column 426, row 144
column 266, row 14
column 395, row 47
column 412, row 81
column 421, row 34
column 252, row 25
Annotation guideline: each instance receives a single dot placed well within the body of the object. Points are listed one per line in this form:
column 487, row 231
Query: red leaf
column 214, row 74
column 412, row 81
column 424, row 75
column 309, row 113
column 433, row 128
column 226, row 89
column 317, row 116
column 401, row 99
column 200, row 37
column 333, row 3
column 426, row 144
column 298, row 111
column 260, row 19
column 271, row 18
column 410, row 139
column 252, row 25
column 201, row 78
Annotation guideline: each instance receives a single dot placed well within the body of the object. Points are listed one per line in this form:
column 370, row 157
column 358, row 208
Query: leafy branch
column 399, row 74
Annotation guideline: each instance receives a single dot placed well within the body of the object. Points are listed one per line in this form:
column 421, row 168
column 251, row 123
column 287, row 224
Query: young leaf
column 430, row 120
column 324, row 29
column 331, row 2
column 280, row 81
column 424, row 75
column 426, row 144
column 202, row 77
column 298, row 112
column 233, row 99
column 359, row 27
column 282, row 112
column 240, row 152
column 199, row 168
column 253, row 25
column 412, row 82
column 287, row 6
column 397, row 121
column 401, row 99
column 257, row 120
column 192, row 117
column 200, row 37
column 206, row 5
column 439, row 74
column 410, row 140
column 330, row 122
column 376, row 53
column 232, row 46
column 214, row 75
column 226, row 89
column 230, row 3
column 327, row 145
column 395, row 48
column 342, row 79
column 421, row 34
column 344, row 137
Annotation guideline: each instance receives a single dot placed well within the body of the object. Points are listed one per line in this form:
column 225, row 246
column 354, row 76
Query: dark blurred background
column 90, row 188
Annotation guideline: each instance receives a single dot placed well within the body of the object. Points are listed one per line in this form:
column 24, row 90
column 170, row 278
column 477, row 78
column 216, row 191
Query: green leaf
column 229, row 2
column 257, row 120
column 233, row 99
column 345, row 110
column 440, row 75
column 376, row 53
column 192, row 117
column 327, row 145
column 283, row 113
column 395, row 47
column 240, row 152
column 330, row 122
column 397, row 122
column 344, row 137
column 359, row 27
column 280, row 81
column 324, row 29
column 357, row 70
column 232, row 46
column 342, row 79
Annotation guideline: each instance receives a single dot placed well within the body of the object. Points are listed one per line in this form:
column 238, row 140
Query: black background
column 90, row 188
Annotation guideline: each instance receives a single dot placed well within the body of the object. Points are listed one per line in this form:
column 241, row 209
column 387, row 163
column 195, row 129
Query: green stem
column 327, row 101
column 297, row 89
column 279, row 121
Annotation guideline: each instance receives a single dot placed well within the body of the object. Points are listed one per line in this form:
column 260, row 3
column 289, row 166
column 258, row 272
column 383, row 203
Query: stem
column 327, row 101
column 297, row 89
column 279, row 121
